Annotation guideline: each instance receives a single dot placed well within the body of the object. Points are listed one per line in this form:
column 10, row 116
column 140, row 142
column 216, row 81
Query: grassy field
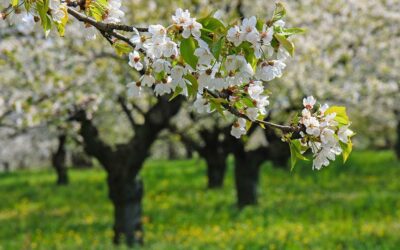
column 355, row 206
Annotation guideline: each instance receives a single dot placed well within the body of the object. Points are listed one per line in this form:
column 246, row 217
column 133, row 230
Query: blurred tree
column 124, row 162
column 59, row 160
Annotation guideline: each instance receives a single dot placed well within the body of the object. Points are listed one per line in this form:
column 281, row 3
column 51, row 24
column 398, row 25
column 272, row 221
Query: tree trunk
column 123, row 163
column 247, row 169
column 126, row 196
column 278, row 152
column 58, row 160
column 246, row 181
column 216, row 168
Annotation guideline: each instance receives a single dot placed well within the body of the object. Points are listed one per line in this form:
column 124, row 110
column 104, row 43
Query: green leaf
column 14, row 3
column 279, row 12
column 296, row 118
column 248, row 102
column 177, row 92
column 288, row 45
column 212, row 24
column 97, row 9
column 292, row 31
column 121, row 48
column 248, row 125
column 293, row 158
column 216, row 104
column 188, row 46
column 341, row 116
column 346, row 148
column 295, row 152
column 217, row 47
column 193, row 87
column 61, row 25
column 42, row 9
column 259, row 24
column 298, row 149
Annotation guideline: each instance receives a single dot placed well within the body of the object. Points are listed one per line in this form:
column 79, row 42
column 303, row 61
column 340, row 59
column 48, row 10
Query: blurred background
column 82, row 166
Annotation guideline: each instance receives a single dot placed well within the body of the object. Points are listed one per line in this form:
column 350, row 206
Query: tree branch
column 235, row 112
column 127, row 111
column 107, row 29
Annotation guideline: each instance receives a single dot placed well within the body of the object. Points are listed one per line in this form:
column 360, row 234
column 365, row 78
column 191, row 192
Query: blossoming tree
column 223, row 67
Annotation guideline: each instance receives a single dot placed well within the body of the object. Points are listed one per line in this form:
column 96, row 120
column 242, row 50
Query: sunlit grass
column 355, row 206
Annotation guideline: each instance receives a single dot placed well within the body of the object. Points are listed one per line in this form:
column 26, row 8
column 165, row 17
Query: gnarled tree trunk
column 58, row 160
column 215, row 153
column 247, row 168
column 124, row 162
column 126, row 195
column 216, row 168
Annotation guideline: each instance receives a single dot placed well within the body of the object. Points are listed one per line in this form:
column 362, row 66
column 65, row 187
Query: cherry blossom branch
column 107, row 29
column 237, row 113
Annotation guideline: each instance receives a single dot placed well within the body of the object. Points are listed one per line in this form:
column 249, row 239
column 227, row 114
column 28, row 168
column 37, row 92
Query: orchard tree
column 222, row 66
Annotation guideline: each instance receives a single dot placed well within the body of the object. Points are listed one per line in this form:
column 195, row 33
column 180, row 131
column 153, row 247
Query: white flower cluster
column 245, row 60
column 322, row 133
column 114, row 12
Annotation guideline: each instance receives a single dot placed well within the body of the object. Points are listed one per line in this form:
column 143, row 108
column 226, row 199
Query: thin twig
column 127, row 111
column 235, row 112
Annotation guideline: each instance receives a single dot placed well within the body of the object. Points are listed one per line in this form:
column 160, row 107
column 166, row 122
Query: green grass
column 355, row 206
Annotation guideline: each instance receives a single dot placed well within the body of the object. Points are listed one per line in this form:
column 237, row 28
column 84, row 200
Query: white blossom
column 147, row 80
column 239, row 128
column 134, row 89
column 345, row 133
column 134, row 60
column 252, row 113
column 249, row 30
column 191, row 28
column 163, row 87
column 267, row 71
column 201, row 105
column 235, row 35
column 309, row 102
column 181, row 17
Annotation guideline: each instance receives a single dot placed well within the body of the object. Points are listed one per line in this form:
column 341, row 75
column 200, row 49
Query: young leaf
column 293, row 158
column 292, row 31
column 42, row 9
column 288, row 45
column 279, row 12
column 177, row 91
column 188, row 46
column 121, row 48
column 14, row 3
column 341, row 116
column 217, row 47
column 248, row 102
column 193, row 87
column 298, row 149
column 211, row 23
column 346, row 148
column 295, row 152
column 61, row 25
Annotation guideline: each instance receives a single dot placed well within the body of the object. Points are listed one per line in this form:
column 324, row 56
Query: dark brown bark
column 123, row 163
column 58, row 160
column 81, row 160
column 216, row 168
column 277, row 151
column 215, row 153
column 247, row 166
